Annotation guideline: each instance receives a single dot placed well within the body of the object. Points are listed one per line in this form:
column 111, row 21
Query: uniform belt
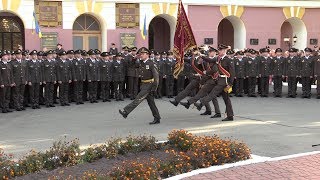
column 148, row 80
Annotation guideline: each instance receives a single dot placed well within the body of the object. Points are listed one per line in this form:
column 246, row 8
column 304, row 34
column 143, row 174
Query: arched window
column 11, row 31
column 86, row 33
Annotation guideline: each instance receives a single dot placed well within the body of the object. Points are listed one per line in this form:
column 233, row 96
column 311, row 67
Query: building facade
column 89, row 24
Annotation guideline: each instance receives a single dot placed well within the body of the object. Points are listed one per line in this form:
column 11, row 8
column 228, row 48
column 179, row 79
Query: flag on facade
column 144, row 30
column 36, row 24
column 183, row 39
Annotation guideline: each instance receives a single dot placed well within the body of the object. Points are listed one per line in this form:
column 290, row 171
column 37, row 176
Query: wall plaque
column 127, row 15
column 272, row 41
column 49, row 40
column 313, row 41
column 254, row 41
column 128, row 39
column 49, row 13
column 208, row 41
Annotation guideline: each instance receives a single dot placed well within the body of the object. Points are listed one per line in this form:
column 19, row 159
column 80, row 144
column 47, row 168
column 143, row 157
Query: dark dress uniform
column 133, row 76
column 35, row 78
column 64, row 77
column 93, row 76
column 221, row 84
column 278, row 68
column 79, row 76
column 160, row 65
column 19, row 71
column 106, row 67
column 181, row 79
column 149, row 83
column 240, row 76
column 6, row 81
column 264, row 73
column 169, row 69
column 317, row 74
column 306, row 73
column 252, row 75
column 118, row 77
column 292, row 72
column 49, row 80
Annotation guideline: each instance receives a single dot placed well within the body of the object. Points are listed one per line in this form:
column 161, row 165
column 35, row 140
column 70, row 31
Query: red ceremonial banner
column 183, row 39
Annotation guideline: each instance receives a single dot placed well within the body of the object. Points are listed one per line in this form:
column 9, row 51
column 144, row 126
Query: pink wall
column 113, row 36
column 204, row 21
column 311, row 20
column 263, row 23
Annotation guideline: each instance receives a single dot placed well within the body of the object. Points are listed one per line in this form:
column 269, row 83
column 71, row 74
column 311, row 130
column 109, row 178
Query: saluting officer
column 19, row 71
column 264, row 71
column 49, row 78
column 240, row 73
column 79, row 76
column 6, row 82
column 106, row 67
column 93, row 76
column 306, row 72
column 149, row 83
column 34, row 79
column 64, row 77
column 277, row 71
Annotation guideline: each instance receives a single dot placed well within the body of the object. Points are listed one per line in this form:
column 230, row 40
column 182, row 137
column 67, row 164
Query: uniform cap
column 307, row 50
column 144, row 50
column 119, row 54
column 230, row 52
column 222, row 46
column 78, row 51
column 62, row 53
column 104, row 54
column 91, row 52
column 70, row 52
column 34, row 52
column 278, row 50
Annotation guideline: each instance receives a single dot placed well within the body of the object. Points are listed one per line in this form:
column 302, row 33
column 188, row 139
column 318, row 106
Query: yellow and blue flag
column 37, row 27
column 144, row 30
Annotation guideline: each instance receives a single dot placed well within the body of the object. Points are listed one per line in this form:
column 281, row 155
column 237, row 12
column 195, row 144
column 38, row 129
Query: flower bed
column 129, row 158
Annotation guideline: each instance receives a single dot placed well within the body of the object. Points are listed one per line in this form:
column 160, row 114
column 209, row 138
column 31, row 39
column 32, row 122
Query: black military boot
column 206, row 113
column 155, row 121
column 123, row 113
column 185, row 104
column 198, row 105
column 228, row 118
column 174, row 102
column 217, row 115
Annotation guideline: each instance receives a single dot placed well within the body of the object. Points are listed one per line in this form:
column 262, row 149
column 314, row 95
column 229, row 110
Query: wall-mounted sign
column 127, row 15
column 49, row 40
column 49, row 13
column 128, row 39
column 254, row 41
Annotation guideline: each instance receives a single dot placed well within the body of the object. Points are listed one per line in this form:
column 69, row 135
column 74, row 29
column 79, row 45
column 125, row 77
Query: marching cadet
column 168, row 71
column 106, row 67
column 118, row 76
column 264, row 71
column 93, row 76
column 70, row 58
column 64, row 77
column 160, row 66
column 79, row 76
column 6, row 82
column 317, row 74
column 132, row 73
column 149, row 83
column 49, row 78
column 34, row 79
column 278, row 68
column 239, row 73
column 306, row 72
column 292, row 72
column 252, row 73
column 19, row 71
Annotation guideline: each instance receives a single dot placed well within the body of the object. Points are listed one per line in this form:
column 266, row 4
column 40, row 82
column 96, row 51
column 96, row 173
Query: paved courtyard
column 270, row 126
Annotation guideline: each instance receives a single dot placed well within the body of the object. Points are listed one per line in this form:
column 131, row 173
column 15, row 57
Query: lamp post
column 288, row 41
